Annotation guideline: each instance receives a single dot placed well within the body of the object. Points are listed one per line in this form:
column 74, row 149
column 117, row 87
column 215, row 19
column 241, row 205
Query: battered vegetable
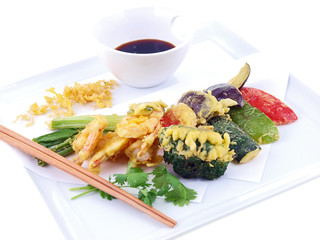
column 255, row 123
column 205, row 105
column 196, row 152
column 82, row 121
column 241, row 78
column 244, row 146
column 273, row 107
column 180, row 114
column 225, row 91
column 59, row 141
column 54, row 138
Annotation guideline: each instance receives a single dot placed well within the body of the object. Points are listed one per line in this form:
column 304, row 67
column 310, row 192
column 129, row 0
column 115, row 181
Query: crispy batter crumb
column 60, row 105
column 98, row 92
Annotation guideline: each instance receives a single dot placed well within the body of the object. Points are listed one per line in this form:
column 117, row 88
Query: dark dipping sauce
column 145, row 46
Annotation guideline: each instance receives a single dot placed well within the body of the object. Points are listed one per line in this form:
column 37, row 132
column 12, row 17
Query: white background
column 37, row 36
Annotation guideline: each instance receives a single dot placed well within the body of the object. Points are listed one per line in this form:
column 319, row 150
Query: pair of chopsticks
column 32, row 148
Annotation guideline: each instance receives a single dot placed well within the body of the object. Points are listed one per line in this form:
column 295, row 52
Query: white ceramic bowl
column 142, row 70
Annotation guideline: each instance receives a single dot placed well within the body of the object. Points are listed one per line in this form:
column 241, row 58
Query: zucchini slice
column 244, row 146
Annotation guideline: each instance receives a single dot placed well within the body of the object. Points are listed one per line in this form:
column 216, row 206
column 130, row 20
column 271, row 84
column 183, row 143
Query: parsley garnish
column 162, row 184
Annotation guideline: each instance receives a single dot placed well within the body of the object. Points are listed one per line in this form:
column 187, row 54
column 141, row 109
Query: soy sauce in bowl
column 145, row 46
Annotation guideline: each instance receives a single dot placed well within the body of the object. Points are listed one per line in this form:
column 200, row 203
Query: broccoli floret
column 194, row 167
column 196, row 152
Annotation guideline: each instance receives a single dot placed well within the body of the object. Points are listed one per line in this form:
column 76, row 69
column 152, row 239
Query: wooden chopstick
column 32, row 148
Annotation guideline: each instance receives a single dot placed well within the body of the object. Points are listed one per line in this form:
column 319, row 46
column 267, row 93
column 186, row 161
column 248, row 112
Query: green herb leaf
column 136, row 176
column 147, row 196
column 137, row 179
column 164, row 184
column 106, row 195
column 131, row 169
column 120, row 178
column 180, row 195
column 170, row 186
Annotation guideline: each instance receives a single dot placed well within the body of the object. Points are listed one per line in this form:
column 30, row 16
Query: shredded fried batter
column 98, row 92
column 60, row 105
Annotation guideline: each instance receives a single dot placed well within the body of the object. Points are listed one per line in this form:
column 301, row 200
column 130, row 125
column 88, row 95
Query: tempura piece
column 87, row 140
column 110, row 145
column 136, row 136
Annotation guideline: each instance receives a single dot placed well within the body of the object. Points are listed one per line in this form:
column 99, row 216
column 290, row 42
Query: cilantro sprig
column 162, row 184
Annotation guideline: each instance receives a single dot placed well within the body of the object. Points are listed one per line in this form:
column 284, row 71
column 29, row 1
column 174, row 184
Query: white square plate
column 216, row 56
